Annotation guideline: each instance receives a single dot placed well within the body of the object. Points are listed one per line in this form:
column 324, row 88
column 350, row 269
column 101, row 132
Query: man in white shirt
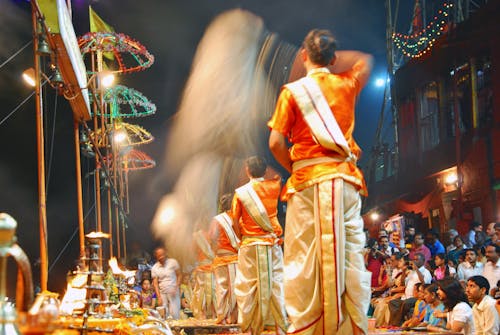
column 167, row 278
column 484, row 313
column 471, row 267
column 419, row 274
column 385, row 247
column 491, row 269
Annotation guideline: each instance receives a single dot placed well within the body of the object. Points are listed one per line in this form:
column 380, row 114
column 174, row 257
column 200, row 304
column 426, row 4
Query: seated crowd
column 422, row 283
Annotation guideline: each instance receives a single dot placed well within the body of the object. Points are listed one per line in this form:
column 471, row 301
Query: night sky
column 170, row 30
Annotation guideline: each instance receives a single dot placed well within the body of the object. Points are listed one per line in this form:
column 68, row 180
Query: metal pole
column 81, row 227
column 458, row 155
column 390, row 70
column 40, row 157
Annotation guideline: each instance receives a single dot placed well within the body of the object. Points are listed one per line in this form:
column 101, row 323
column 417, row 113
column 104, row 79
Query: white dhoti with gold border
column 259, row 287
column 203, row 299
column 326, row 282
column 224, row 270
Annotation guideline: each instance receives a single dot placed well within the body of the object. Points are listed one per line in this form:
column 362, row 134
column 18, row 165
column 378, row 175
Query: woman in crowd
column 431, row 298
column 459, row 315
column 396, row 290
column 420, row 307
column 373, row 261
column 459, row 250
column 442, row 268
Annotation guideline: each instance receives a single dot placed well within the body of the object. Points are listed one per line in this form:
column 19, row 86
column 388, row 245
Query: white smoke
column 216, row 123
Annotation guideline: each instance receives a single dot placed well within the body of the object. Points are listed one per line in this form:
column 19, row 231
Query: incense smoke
column 217, row 124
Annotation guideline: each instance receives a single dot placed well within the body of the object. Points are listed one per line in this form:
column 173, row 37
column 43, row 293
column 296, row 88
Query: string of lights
column 419, row 43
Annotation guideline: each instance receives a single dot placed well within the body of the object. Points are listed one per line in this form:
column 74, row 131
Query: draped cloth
column 224, row 277
column 203, row 298
column 324, row 243
column 259, row 286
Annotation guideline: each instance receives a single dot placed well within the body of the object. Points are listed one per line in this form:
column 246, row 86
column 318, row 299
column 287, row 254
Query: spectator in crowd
column 147, row 296
column 409, row 234
column 473, row 237
column 167, row 277
column 470, row 267
column 383, row 233
column 497, row 232
column 420, row 248
column 419, row 274
column 431, row 298
column 419, row 309
column 442, row 268
column 491, row 269
column 459, row 315
column 491, row 236
column 481, row 254
column 459, row 249
column 451, row 234
column 433, row 243
column 484, row 313
column 373, row 261
column 396, row 290
column 385, row 247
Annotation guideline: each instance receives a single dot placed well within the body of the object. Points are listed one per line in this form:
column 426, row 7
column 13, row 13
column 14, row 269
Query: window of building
column 484, row 92
column 460, row 84
column 429, row 116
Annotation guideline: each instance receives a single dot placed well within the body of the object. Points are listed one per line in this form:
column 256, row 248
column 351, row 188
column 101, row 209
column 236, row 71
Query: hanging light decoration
column 419, row 43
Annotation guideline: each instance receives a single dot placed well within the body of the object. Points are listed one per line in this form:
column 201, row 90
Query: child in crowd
column 442, row 268
column 420, row 307
column 433, row 304
column 147, row 295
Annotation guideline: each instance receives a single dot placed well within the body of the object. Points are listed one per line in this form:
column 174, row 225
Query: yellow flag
column 49, row 11
column 98, row 25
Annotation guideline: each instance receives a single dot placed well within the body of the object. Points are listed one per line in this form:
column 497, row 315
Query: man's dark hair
column 470, row 249
column 475, row 224
column 497, row 248
column 371, row 242
column 419, row 234
column 381, row 237
column 420, row 256
column 398, row 255
column 481, row 282
column 225, row 202
column 256, row 166
column 320, row 46
column 454, row 292
column 433, row 233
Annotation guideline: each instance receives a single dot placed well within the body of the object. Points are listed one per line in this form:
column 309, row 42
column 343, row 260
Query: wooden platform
column 204, row 329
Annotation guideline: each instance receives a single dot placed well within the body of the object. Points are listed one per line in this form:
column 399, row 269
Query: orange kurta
column 340, row 91
column 268, row 191
column 222, row 242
